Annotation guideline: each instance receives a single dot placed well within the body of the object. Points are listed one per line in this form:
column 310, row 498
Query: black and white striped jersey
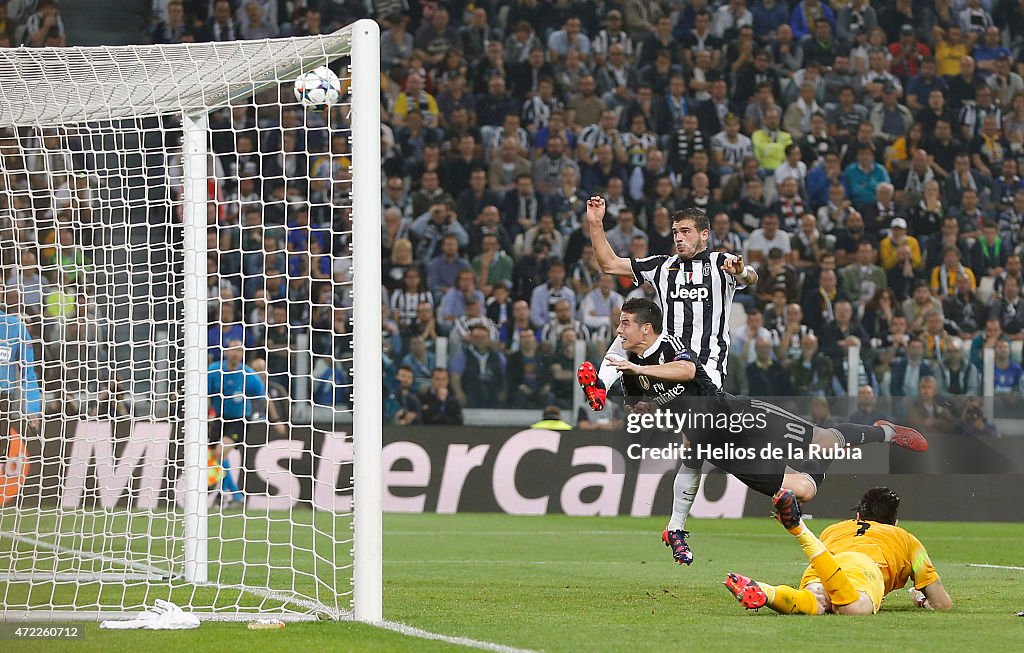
column 594, row 135
column 696, row 299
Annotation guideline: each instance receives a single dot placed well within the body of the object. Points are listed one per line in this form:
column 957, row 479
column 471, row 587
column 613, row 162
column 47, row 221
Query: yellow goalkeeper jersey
column 899, row 555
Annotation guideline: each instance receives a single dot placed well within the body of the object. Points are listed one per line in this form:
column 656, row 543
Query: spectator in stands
column 544, row 298
column 819, row 301
column 226, row 329
column 431, row 228
column 989, row 253
column 1009, row 310
column 864, row 176
column 220, row 26
column 563, row 320
column 405, row 300
column 474, row 316
column 1013, row 269
column 766, row 376
column 862, row 279
column 1008, row 374
column 421, row 361
column 937, row 342
column 774, row 275
column 599, row 308
column 435, row 38
column 944, row 277
column 866, row 412
column 332, row 385
column 478, row 371
column 909, row 370
column 439, row 405
column 965, row 314
column 45, row 24
column 443, row 269
column 810, row 373
column 493, row 266
column 745, row 338
column 545, row 230
column 528, row 370
column 928, row 414
column 523, row 205
column 770, row 142
column 918, row 304
column 256, row 24
column 563, row 369
column 402, row 408
column 1004, row 81
column 896, row 239
column 173, row 26
column 957, row 376
column 453, row 303
column 31, row 285
column 309, row 22
column 765, row 239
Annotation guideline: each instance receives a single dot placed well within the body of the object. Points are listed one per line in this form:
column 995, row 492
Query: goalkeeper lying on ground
column 853, row 566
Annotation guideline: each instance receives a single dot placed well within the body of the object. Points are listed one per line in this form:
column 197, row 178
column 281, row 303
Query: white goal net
column 178, row 240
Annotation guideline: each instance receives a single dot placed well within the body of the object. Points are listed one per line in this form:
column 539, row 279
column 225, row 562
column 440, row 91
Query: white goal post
column 163, row 210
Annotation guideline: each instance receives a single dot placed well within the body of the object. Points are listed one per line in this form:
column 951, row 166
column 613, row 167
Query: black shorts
column 768, row 425
column 231, row 428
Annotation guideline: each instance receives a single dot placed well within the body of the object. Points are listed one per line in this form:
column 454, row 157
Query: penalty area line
column 1011, row 568
column 412, row 631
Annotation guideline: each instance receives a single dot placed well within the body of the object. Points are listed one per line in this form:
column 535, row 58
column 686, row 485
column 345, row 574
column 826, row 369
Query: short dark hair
column 700, row 218
column 879, row 504
column 644, row 311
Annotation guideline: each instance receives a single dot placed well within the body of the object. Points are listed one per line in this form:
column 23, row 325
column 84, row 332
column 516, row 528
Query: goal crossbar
column 189, row 77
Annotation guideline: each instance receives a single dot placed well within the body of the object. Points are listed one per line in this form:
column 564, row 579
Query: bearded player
column 694, row 287
column 660, row 371
column 853, row 566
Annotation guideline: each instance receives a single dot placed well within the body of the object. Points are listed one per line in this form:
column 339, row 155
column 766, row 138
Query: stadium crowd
column 864, row 155
column 868, row 157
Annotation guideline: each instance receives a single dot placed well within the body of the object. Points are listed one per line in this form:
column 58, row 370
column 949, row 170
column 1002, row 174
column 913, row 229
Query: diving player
column 853, row 566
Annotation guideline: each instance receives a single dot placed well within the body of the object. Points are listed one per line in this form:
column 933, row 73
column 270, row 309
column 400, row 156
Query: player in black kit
column 661, row 372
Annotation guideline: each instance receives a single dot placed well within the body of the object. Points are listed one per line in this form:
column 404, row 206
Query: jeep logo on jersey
column 693, row 293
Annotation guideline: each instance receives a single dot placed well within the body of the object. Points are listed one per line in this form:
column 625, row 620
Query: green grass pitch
column 608, row 584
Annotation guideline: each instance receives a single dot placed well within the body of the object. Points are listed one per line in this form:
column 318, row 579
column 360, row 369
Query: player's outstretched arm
column 679, row 371
column 745, row 274
column 936, row 597
column 609, row 261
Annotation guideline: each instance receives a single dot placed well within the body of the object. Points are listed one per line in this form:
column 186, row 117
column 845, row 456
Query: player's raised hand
column 595, row 212
column 623, row 365
column 733, row 266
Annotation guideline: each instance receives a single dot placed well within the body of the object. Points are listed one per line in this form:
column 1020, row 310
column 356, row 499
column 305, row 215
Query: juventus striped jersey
column 696, row 299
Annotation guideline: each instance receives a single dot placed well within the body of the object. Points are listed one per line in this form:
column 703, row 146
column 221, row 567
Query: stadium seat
column 986, row 288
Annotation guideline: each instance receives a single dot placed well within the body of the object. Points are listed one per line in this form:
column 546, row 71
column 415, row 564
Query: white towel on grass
column 164, row 615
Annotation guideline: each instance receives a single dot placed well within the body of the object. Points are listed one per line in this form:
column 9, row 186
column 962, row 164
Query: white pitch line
column 513, row 562
column 516, row 533
column 412, row 631
column 971, row 564
column 137, row 566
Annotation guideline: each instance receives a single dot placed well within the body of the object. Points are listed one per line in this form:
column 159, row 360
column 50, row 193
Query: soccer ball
column 318, row 89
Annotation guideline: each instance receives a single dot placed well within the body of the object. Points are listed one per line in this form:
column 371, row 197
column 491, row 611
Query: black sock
column 857, row 435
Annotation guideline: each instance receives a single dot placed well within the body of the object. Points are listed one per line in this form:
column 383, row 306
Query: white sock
column 684, row 490
column 608, row 374
column 889, row 432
